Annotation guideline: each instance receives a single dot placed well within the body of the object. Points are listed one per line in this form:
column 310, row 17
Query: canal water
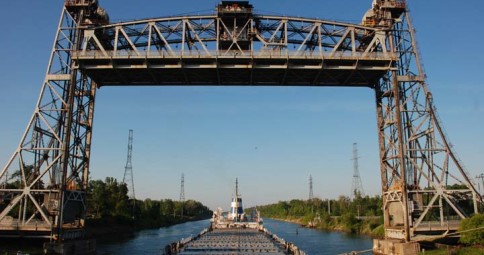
column 309, row 240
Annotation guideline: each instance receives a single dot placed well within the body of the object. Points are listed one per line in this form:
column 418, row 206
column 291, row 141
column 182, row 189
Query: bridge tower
column 235, row 25
column 128, row 177
column 356, row 186
column 416, row 159
column 51, row 163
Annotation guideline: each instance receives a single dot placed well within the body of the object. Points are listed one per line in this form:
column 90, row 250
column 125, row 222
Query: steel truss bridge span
column 263, row 50
column 425, row 187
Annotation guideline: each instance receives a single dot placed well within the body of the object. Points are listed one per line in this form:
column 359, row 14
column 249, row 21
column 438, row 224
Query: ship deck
column 234, row 233
column 234, row 241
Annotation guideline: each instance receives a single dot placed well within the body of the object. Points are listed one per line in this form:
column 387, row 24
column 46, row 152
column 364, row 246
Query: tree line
column 359, row 206
column 362, row 214
column 108, row 200
column 108, row 203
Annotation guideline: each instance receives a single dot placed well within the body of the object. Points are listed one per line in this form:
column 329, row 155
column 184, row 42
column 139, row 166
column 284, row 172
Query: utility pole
column 128, row 172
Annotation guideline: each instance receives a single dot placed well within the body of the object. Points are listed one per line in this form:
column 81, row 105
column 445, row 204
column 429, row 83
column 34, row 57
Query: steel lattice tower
column 182, row 188
column 311, row 196
column 128, row 170
column 182, row 192
column 480, row 183
column 356, row 186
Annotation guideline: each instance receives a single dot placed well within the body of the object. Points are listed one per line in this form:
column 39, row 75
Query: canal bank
column 436, row 247
column 123, row 228
column 368, row 226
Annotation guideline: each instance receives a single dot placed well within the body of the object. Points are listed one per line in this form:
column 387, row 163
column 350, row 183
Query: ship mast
column 236, row 189
column 236, row 209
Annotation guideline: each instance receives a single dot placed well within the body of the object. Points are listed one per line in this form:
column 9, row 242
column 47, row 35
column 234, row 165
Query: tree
column 475, row 235
column 168, row 207
column 97, row 196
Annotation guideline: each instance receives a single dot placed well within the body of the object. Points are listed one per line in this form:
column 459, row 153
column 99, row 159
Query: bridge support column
column 77, row 247
column 416, row 161
column 45, row 182
column 395, row 247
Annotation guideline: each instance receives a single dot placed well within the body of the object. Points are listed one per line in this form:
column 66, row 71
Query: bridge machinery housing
column 425, row 188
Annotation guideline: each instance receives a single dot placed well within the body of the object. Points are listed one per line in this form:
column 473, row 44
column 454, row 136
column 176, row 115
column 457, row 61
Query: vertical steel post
column 401, row 154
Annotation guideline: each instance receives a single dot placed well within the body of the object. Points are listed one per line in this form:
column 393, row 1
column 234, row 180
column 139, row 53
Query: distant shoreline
column 335, row 228
column 109, row 229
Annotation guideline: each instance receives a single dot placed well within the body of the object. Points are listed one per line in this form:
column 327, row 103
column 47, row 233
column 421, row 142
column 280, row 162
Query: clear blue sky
column 271, row 138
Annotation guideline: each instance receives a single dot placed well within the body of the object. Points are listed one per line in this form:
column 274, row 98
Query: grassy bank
column 347, row 223
column 470, row 243
column 330, row 214
column 475, row 250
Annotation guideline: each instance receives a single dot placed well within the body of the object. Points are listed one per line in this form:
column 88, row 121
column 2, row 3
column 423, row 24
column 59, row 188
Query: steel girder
column 44, row 183
column 280, row 51
column 418, row 165
column 198, row 35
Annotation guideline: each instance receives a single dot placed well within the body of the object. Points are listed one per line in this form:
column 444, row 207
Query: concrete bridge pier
column 395, row 247
column 74, row 247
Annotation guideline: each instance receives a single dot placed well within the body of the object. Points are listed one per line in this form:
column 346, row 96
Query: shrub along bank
column 112, row 211
column 361, row 215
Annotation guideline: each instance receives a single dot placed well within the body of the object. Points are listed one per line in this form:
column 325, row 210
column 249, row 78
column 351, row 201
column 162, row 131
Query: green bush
column 350, row 223
column 472, row 237
column 378, row 232
column 471, row 251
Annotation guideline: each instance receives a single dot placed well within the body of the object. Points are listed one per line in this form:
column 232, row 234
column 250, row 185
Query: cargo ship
column 234, row 232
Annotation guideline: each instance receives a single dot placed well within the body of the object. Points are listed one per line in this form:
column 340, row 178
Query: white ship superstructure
column 236, row 208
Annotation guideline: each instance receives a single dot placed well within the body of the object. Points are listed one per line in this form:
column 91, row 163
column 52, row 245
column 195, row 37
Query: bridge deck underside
column 13, row 228
column 36, row 229
column 433, row 226
column 232, row 71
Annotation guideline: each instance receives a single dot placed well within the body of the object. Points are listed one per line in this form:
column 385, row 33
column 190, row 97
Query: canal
column 310, row 240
